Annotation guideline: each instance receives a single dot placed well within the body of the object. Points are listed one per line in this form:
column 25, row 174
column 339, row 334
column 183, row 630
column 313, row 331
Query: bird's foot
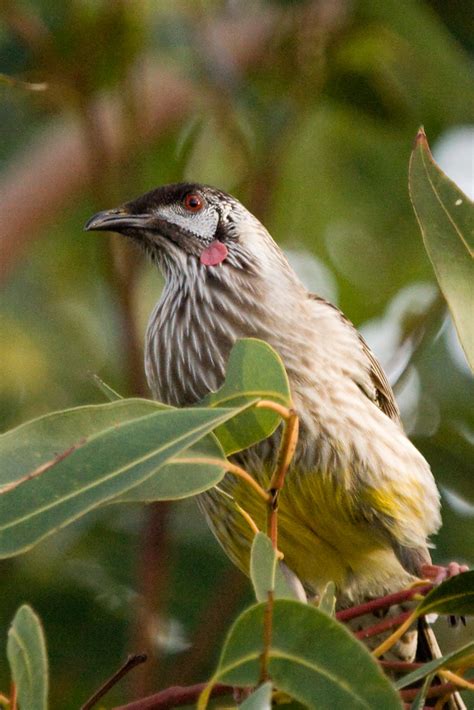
column 439, row 573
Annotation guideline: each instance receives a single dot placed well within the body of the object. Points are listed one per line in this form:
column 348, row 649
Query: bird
column 360, row 503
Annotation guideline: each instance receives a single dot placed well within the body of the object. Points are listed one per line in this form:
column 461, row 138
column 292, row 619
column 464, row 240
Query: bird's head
column 187, row 221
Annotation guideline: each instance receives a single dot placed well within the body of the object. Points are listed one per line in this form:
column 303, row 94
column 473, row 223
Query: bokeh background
column 307, row 112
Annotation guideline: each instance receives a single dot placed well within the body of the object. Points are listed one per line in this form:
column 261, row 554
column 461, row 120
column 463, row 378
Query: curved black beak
column 116, row 220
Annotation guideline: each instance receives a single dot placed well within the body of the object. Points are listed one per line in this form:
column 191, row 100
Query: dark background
column 307, row 112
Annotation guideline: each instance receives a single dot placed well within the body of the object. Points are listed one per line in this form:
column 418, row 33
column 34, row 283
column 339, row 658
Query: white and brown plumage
column 359, row 502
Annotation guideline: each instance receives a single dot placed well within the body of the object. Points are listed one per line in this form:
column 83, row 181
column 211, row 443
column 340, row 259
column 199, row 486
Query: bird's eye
column 193, row 202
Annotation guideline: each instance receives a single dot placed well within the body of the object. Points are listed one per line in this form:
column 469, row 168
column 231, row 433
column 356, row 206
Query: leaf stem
column 287, row 449
column 176, row 696
column 397, row 634
column 381, row 603
column 382, row 626
column 280, row 409
column 289, row 440
column 242, row 473
column 248, row 518
column 267, row 637
column 434, row 692
column 457, row 679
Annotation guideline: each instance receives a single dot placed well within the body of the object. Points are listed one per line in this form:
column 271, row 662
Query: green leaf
column 446, row 218
column 26, row 652
column 265, row 572
column 449, row 660
column 327, row 599
column 261, row 699
column 254, row 370
column 419, row 700
column 106, row 389
column 312, row 657
column 32, row 444
column 102, row 466
column 455, row 596
column 193, row 471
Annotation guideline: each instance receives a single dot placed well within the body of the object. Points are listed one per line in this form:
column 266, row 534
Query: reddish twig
column 131, row 662
column 382, row 603
column 382, row 626
column 267, row 637
column 434, row 692
column 400, row 666
column 213, row 622
column 289, row 441
column 153, row 583
column 175, row 697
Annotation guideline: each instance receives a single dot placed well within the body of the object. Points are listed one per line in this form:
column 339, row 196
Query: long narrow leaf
column 100, row 468
column 445, row 662
column 26, row 652
column 446, row 218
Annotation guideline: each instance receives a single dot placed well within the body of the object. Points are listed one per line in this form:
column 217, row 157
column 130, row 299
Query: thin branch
column 382, row 626
column 175, row 697
column 131, row 662
column 267, row 636
column 289, row 440
column 288, row 447
column 434, row 692
column 238, row 471
column 280, row 409
column 400, row 666
column 382, row 603
column 153, row 575
column 214, row 619
column 393, row 638
column 248, row 518
column 456, row 679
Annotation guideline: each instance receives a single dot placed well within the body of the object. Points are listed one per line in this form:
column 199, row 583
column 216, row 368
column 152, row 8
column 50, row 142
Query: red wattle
column 214, row 254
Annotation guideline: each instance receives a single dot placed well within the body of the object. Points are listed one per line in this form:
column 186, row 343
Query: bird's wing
column 382, row 393
column 385, row 397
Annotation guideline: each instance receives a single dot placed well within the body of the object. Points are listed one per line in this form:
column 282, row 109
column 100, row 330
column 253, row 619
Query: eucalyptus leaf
column 419, row 700
column 265, row 571
column 454, row 596
column 446, row 218
column 254, row 370
column 99, row 468
column 106, row 389
column 190, row 472
column 312, row 658
column 36, row 442
column 26, row 652
column 447, row 661
column 327, row 599
column 261, row 699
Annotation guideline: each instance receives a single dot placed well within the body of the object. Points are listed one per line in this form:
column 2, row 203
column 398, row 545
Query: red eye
column 193, row 202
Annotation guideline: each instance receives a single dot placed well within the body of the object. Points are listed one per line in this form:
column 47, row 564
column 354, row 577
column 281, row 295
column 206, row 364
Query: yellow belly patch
column 321, row 534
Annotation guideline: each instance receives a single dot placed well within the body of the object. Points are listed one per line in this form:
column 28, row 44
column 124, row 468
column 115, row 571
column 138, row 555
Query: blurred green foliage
column 313, row 132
